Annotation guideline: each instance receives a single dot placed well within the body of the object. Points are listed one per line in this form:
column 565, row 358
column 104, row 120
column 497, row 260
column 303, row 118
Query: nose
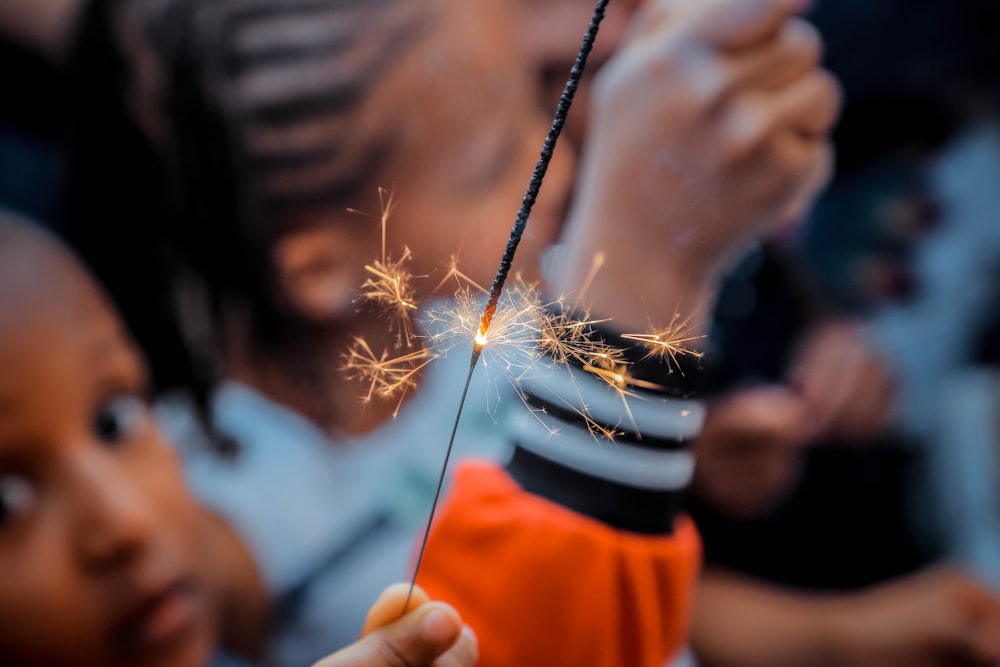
column 112, row 516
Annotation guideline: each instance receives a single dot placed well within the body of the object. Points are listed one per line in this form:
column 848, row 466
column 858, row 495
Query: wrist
column 836, row 632
column 610, row 278
column 622, row 258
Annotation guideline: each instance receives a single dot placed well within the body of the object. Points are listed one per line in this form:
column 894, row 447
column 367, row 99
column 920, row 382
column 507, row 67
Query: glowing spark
column 595, row 267
column 386, row 376
column 386, row 204
column 390, row 285
column 616, row 380
column 462, row 279
column 673, row 341
column 480, row 338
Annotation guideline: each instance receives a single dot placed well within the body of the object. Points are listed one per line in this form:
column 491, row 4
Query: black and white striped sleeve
column 618, row 451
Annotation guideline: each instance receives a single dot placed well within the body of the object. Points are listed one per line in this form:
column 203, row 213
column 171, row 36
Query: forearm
column 742, row 623
column 606, row 267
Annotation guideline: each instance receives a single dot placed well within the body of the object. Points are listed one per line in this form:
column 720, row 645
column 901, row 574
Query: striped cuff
column 610, row 440
column 636, row 438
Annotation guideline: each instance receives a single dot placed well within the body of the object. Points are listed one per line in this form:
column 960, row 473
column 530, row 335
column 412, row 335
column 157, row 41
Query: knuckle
column 832, row 90
column 690, row 70
column 707, row 88
column 391, row 655
column 803, row 41
column 826, row 99
column 745, row 132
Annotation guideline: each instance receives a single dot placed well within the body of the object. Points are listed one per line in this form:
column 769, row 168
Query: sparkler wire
column 542, row 166
column 513, row 240
column 447, row 455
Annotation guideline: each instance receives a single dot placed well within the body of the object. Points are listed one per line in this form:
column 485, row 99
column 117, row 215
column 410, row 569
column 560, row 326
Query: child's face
column 471, row 132
column 99, row 546
column 460, row 107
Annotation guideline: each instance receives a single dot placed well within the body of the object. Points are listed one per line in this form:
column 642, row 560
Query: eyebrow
column 125, row 353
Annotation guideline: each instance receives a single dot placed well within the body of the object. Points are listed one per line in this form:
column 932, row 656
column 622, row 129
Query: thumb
column 392, row 604
column 415, row 640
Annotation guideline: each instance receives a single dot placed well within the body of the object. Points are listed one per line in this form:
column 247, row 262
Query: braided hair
column 260, row 102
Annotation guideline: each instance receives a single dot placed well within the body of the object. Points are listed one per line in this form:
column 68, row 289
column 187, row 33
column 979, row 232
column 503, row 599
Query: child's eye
column 119, row 419
column 16, row 497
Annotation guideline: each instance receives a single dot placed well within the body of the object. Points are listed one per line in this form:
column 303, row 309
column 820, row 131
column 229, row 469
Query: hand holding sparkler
column 701, row 138
column 733, row 113
column 430, row 634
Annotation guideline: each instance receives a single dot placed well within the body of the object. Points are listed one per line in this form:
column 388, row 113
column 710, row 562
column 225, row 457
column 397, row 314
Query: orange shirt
column 542, row 585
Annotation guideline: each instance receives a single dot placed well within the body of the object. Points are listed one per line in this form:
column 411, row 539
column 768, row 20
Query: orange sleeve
column 542, row 585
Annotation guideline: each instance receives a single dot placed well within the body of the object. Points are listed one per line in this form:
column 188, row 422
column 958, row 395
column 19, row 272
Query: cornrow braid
column 291, row 78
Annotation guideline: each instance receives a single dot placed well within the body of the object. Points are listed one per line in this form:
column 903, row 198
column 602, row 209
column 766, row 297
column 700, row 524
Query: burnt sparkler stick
column 520, row 222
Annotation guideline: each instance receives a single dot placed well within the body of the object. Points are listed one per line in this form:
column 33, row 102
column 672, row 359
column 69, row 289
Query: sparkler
column 521, row 221
column 671, row 341
column 519, row 330
column 386, row 375
column 524, row 331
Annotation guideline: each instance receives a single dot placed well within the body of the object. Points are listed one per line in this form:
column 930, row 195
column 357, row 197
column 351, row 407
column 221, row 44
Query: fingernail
column 437, row 626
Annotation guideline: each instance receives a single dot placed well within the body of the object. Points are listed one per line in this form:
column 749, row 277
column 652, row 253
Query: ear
column 319, row 269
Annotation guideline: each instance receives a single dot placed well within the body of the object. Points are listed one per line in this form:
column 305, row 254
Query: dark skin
column 102, row 547
column 108, row 560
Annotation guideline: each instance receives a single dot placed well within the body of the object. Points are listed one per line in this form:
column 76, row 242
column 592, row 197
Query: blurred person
column 296, row 256
column 317, row 108
column 109, row 560
column 962, row 474
column 309, row 139
column 751, row 452
column 78, row 150
column 846, row 538
column 949, row 393
column 570, row 506
column 757, row 441
column 777, row 464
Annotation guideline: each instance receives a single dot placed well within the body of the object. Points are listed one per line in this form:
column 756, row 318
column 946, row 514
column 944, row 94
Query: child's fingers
column 432, row 632
column 757, row 124
column 808, row 106
column 390, row 606
column 650, row 18
column 420, row 637
column 813, row 169
column 463, row 653
column 739, row 24
column 796, row 51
